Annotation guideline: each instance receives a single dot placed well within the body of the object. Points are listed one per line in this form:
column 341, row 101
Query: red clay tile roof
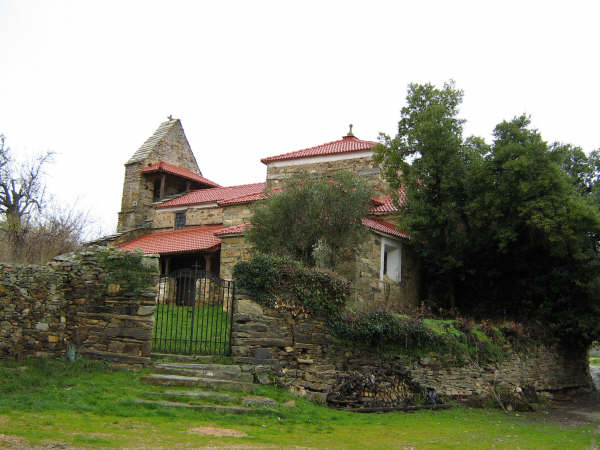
column 385, row 205
column 382, row 205
column 248, row 198
column 348, row 144
column 383, row 227
column 176, row 241
column 214, row 195
column 180, row 172
column 236, row 229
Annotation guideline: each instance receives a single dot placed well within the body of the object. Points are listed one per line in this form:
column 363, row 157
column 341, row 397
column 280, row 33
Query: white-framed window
column 391, row 260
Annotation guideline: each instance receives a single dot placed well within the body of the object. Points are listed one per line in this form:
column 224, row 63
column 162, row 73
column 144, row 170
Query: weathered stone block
column 136, row 333
column 263, row 353
column 41, row 326
column 146, row 310
column 247, row 306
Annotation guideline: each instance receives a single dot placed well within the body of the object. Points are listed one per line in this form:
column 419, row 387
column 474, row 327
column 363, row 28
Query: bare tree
column 22, row 192
column 55, row 231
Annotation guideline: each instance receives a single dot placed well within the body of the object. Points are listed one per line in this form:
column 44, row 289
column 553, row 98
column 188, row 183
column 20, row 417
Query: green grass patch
column 202, row 330
column 473, row 344
column 86, row 404
column 594, row 360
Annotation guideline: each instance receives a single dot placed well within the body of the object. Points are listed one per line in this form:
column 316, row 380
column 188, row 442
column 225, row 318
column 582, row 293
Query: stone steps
column 201, row 395
column 187, row 358
column 203, row 373
column 211, row 383
column 216, row 408
column 216, row 371
column 248, row 400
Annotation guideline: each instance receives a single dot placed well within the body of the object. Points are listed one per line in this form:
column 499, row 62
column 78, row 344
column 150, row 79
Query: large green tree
column 507, row 229
column 310, row 213
column 430, row 160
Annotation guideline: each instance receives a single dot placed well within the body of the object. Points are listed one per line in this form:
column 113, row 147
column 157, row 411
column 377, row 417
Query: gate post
column 231, row 314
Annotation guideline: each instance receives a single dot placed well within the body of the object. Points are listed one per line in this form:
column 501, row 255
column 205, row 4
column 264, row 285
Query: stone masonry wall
column 303, row 356
column 364, row 167
column 175, row 149
column 194, row 216
column 364, row 272
column 236, row 214
column 234, row 248
column 136, row 203
column 72, row 302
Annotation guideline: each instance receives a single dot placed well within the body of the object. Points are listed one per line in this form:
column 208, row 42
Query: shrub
column 270, row 278
column 380, row 326
column 126, row 269
column 286, row 285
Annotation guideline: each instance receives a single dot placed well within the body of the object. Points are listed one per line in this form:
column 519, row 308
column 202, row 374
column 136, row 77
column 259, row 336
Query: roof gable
column 168, row 143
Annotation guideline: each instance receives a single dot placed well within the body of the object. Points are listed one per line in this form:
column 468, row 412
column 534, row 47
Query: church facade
column 169, row 208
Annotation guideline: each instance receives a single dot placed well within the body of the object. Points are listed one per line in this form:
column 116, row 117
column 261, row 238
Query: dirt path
column 571, row 410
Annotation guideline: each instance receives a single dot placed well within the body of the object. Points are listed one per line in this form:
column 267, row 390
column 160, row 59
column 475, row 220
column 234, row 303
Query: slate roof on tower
column 162, row 130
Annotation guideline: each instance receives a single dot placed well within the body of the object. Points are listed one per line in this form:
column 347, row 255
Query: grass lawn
column 594, row 360
column 191, row 330
column 87, row 405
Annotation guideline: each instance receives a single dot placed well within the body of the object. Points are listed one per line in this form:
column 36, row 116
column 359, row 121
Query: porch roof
column 177, row 241
column 384, row 227
column 163, row 167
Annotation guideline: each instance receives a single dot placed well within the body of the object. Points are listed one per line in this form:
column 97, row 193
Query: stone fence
column 98, row 303
column 301, row 354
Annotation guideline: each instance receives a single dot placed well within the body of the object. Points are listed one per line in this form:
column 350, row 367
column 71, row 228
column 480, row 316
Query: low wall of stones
column 300, row 354
column 77, row 302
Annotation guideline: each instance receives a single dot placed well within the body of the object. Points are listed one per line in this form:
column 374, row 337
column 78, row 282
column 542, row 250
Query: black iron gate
column 193, row 314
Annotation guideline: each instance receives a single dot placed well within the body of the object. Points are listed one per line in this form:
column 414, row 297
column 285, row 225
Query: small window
column 179, row 220
column 391, row 260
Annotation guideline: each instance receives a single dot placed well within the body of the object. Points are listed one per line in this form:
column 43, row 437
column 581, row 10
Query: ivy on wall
column 285, row 285
column 126, row 271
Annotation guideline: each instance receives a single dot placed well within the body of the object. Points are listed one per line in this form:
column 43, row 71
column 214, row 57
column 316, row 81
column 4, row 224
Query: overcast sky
column 91, row 80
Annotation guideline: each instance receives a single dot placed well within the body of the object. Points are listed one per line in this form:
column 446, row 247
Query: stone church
column 169, row 208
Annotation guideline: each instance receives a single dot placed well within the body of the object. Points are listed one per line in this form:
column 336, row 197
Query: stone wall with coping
column 74, row 301
column 303, row 356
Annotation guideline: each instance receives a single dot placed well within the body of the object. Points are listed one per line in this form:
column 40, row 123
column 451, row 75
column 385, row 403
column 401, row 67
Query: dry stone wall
column 77, row 300
column 303, row 356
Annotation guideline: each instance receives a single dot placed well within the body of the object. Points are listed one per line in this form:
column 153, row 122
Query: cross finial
column 350, row 131
column 170, row 117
